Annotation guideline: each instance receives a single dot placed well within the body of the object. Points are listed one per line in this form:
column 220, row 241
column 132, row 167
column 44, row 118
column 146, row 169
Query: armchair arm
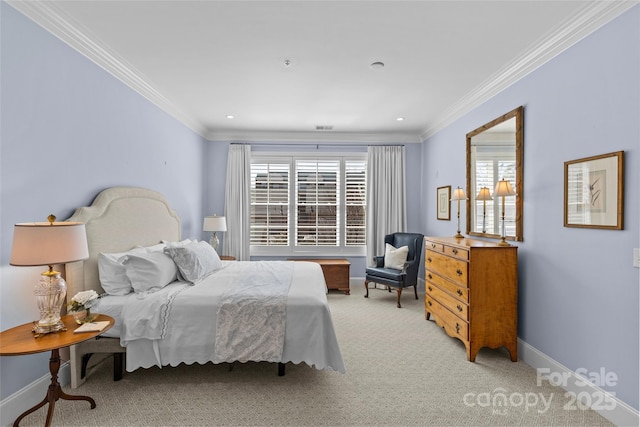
column 407, row 265
column 378, row 261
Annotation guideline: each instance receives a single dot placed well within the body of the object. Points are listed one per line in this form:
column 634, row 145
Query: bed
column 195, row 321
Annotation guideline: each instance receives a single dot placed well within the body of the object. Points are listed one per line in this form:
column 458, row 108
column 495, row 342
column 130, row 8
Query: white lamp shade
column 214, row 223
column 44, row 243
column 484, row 194
column 504, row 188
column 458, row 194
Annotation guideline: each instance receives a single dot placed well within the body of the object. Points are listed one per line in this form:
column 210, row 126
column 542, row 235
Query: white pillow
column 150, row 271
column 111, row 271
column 395, row 258
column 158, row 247
column 195, row 261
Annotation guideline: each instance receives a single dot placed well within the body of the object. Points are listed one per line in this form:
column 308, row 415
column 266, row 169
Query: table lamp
column 214, row 223
column 49, row 243
column 484, row 195
column 458, row 194
column 503, row 189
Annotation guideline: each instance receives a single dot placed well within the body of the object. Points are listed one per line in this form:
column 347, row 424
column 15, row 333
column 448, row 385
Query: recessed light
column 229, row 116
column 400, row 119
column 377, row 65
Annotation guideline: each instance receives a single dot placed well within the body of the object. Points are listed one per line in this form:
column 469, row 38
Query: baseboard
column 587, row 393
column 30, row 395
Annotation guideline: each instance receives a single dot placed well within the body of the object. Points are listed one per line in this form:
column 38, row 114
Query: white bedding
column 187, row 333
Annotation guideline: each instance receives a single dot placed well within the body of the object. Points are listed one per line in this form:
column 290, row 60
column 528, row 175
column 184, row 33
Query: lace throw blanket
column 250, row 320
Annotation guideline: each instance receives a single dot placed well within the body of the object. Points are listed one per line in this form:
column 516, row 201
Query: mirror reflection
column 495, row 152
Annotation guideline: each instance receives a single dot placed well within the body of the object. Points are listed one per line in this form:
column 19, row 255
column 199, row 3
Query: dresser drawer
column 451, row 323
column 447, row 266
column 460, row 292
column 457, row 252
column 437, row 247
column 459, row 308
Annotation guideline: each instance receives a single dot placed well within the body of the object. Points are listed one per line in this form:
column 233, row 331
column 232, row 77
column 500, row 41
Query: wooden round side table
column 21, row 340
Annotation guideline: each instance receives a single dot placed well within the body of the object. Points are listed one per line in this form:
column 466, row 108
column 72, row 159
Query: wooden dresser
column 472, row 292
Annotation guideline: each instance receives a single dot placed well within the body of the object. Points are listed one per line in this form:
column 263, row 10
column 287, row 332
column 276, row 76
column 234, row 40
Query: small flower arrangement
column 83, row 300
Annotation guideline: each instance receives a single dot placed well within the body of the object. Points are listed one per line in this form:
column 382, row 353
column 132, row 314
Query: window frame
column 311, row 251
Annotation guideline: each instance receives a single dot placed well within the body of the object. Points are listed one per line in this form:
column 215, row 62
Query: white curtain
column 237, row 202
column 386, row 196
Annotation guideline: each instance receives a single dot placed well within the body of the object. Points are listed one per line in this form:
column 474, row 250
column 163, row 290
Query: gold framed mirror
column 495, row 151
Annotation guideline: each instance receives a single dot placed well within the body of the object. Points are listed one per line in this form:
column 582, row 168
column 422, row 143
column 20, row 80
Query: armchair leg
column 366, row 286
column 399, row 293
column 415, row 290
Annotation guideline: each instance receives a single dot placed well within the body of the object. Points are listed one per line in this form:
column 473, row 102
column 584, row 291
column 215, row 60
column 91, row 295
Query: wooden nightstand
column 227, row 258
column 20, row 340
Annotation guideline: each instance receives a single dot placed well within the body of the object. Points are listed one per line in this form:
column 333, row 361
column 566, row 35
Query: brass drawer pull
column 457, row 327
column 429, row 259
column 455, row 251
column 459, row 272
column 459, row 292
column 459, row 308
column 429, row 302
column 430, row 276
column 433, row 245
column 430, row 289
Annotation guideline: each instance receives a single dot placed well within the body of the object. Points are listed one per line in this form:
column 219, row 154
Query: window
column 305, row 205
column 494, row 164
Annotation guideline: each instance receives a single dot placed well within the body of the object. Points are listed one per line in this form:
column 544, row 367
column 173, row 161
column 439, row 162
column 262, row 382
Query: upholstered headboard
column 119, row 219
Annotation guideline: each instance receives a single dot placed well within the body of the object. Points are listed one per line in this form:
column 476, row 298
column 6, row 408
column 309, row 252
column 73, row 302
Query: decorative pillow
column 150, row 271
column 111, row 271
column 195, row 261
column 395, row 258
column 179, row 244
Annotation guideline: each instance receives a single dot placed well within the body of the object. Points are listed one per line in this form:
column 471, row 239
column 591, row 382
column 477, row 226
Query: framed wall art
column 594, row 192
column 443, row 204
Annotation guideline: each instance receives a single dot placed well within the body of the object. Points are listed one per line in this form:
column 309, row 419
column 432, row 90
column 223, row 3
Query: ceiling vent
column 325, row 127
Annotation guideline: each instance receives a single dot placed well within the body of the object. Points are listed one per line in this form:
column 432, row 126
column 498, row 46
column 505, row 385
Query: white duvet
column 181, row 323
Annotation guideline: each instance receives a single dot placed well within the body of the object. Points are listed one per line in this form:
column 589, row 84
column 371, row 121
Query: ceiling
column 302, row 70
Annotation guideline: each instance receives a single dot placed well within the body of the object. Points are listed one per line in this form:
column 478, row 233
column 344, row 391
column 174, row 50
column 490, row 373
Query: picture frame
column 594, row 192
column 443, row 198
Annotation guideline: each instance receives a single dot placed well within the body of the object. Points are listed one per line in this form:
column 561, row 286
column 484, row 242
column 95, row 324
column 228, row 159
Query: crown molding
column 587, row 20
column 55, row 21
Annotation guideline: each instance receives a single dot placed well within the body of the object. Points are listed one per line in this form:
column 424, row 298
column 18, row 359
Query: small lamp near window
column 214, row 223
column 49, row 243
column 503, row 189
column 458, row 194
column 484, row 195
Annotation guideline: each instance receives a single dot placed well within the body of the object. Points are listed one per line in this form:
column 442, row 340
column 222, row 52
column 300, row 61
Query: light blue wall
column 69, row 130
column 578, row 290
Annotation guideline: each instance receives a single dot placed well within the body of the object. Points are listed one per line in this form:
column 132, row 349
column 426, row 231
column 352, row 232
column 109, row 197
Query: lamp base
column 215, row 242
column 50, row 292
column 41, row 329
column 459, row 236
column 503, row 242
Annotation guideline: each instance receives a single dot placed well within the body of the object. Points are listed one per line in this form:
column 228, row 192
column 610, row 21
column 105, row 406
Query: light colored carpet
column 401, row 371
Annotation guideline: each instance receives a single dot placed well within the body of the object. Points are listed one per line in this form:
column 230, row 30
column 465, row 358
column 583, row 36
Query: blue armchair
column 391, row 277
